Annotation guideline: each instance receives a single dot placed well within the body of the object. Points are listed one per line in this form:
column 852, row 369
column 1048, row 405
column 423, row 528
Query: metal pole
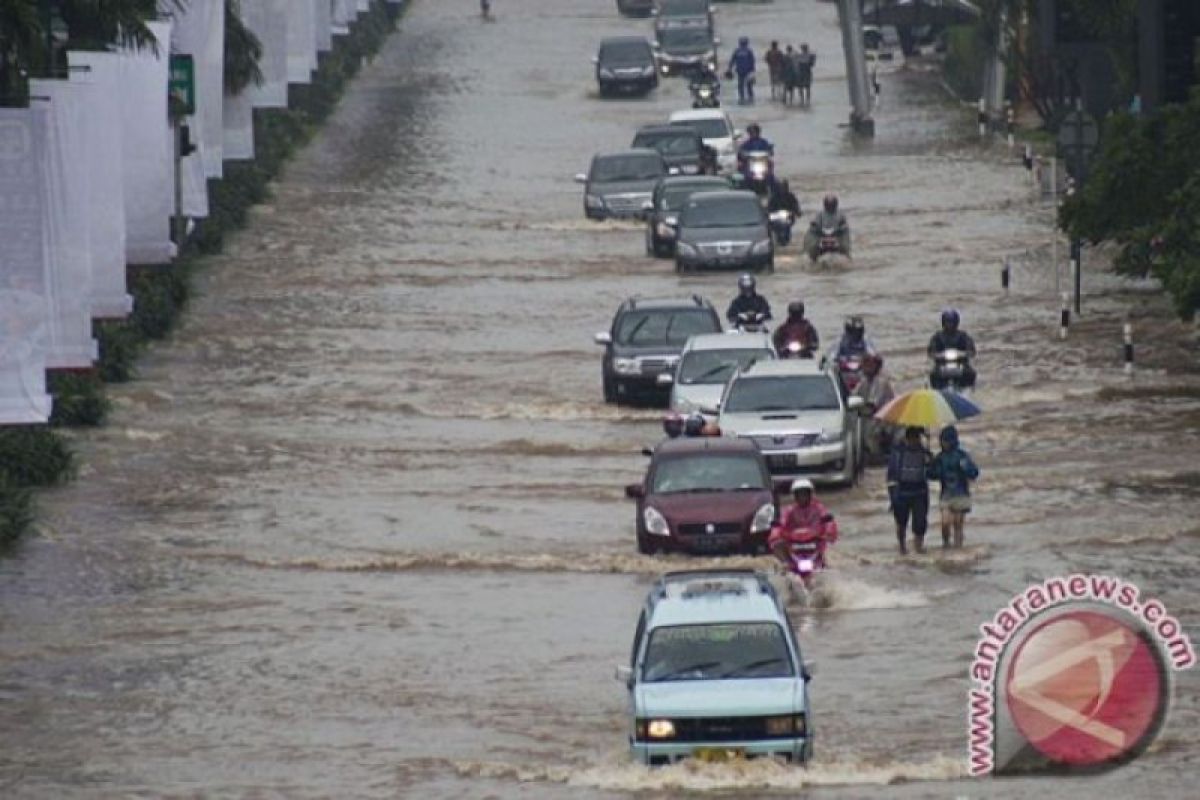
column 1077, row 269
column 850, row 17
column 1064, row 316
column 1128, row 331
column 177, row 124
column 1054, row 222
column 1005, row 275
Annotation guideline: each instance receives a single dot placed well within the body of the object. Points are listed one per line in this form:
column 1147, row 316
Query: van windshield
column 717, row 652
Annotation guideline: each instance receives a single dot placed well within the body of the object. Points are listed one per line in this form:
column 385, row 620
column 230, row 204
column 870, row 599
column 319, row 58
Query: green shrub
column 965, row 53
column 34, row 455
column 78, row 398
column 16, row 511
column 119, row 348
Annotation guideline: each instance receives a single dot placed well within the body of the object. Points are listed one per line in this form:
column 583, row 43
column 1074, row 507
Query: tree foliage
column 243, row 51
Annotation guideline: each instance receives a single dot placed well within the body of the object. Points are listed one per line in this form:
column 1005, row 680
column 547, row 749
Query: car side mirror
column 810, row 669
column 737, row 134
column 624, row 674
column 596, row 59
column 580, row 177
column 635, row 491
column 647, row 205
column 716, row 41
column 855, row 403
column 603, row 337
column 664, row 379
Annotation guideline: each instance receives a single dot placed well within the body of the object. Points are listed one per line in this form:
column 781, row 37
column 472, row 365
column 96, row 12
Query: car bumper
column 825, row 463
column 665, row 753
column 725, row 262
column 642, row 385
column 630, row 85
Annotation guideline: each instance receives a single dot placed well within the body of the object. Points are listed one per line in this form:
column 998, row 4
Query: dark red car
column 704, row 495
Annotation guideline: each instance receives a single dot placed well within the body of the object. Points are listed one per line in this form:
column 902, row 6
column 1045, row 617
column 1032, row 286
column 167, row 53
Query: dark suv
column 679, row 145
column 704, row 494
column 626, row 64
column 645, row 341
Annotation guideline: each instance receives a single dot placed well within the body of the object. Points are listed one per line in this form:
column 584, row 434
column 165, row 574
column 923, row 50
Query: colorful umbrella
column 927, row 408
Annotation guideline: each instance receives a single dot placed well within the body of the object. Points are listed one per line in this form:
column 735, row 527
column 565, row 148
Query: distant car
column 796, row 413
column 670, row 193
column 625, row 64
column 645, row 340
column 684, row 14
column 685, row 48
column 704, row 494
column 619, row 184
column 707, row 363
column 715, row 129
column 716, row 672
column 680, row 146
column 636, row 8
column 724, row 230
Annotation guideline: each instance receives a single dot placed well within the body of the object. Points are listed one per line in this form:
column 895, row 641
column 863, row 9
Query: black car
column 625, row 64
column 670, row 194
column 680, row 146
column 684, row 13
column 645, row 340
column 636, row 8
column 723, row 230
column 620, row 184
column 686, row 49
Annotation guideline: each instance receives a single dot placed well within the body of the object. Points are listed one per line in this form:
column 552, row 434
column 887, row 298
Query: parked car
column 794, row 410
column 662, row 217
column 681, row 48
column 708, row 362
column 620, row 184
column 716, row 672
column 679, row 145
column 723, row 230
column 645, row 340
column 704, row 494
column 684, row 14
column 625, row 64
column 715, row 129
column 635, row 8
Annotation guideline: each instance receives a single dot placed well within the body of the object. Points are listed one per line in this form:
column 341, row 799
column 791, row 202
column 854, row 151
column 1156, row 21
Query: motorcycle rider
column 748, row 300
column 829, row 218
column 951, row 338
column 694, row 425
column 742, row 62
column 782, row 199
column 673, row 425
column 854, row 341
column 754, row 141
column 796, row 329
column 701, row 75
column 876, row 390
column 807, row 519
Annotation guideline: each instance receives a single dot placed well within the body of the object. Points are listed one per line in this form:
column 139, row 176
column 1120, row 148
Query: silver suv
column 706, row 364
column 795, row 412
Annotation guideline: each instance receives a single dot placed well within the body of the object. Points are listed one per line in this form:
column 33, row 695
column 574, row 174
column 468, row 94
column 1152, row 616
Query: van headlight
column 655, row 522
column 761, row 248
column 787, row 725
column 660, row 729
column 648, row 71
column 626, row 366
column 665, row 230
column 605, row 72
column 763, row 518
column 685, row 249
column 831, row 437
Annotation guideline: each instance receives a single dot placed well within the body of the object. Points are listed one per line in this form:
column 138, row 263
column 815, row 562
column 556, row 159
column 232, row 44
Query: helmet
column 694, row 425
column 747, row 284
column 873, row 360
column 831, row 203
column 754, row 129
column 855, row 326
column 744, row 41
column 801, row 484
column 950, row 318
column 796, row 309
column 672, row 425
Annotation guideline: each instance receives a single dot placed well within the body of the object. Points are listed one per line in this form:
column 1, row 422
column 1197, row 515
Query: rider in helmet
column 876, row 390
column 673, row 425
column 806, row 520
column 694, row 425
column 830, row 218
column 854, row 341
column 747, row 300
column 951, row 338
column 742, row 62
column 796, row 329
column 754, row 141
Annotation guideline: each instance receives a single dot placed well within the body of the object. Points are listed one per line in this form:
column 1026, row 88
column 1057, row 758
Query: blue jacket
column 756, row 143
column 953, row 468
column 742, row 60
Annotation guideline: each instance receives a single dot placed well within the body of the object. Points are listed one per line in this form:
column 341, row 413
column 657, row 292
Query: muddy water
column 358, row 529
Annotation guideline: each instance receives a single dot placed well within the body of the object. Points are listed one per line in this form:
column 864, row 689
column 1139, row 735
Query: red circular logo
column 1086, row 689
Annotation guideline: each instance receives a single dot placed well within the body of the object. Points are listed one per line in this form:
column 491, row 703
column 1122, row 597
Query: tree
column 243, row 51
column 22, row 48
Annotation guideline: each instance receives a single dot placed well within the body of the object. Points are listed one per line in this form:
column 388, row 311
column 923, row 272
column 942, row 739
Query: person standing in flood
column 805, row 62
column 956, row 471
column 908, row 488
column 774, row 60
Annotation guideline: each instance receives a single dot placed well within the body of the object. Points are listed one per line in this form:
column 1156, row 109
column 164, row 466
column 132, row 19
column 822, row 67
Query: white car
column 707, row 362
column 717, row 131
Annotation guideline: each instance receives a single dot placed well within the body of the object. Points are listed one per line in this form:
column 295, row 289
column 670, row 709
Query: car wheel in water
column 610, row 390
column 645, row 548
column 770, row 267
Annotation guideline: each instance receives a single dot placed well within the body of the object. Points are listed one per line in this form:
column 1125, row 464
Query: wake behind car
column 680, row 146
column 620, row 184
column 704, row 494
column 723, row 230
column 708, row 362
column 796, row 413
column 716, row 672
column 645, row 340
column 670, row 193
column 685, row 48
column 715, row 129
column 625, row 64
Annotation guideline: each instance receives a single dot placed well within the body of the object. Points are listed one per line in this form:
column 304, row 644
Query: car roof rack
column 720, row 581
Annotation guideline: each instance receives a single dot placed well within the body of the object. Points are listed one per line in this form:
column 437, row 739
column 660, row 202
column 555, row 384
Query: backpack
column 912, row 466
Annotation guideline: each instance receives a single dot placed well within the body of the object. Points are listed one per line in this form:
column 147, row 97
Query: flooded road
column 358, row 529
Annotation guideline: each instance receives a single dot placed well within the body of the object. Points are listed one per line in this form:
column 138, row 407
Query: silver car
column 723, row 230
column 795, row 412
column 707, row 362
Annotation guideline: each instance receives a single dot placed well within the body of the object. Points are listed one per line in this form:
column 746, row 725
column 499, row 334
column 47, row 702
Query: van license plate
column 715, row 755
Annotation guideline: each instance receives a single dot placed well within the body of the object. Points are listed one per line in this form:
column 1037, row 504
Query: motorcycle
column 705, row 94
column 805, row 561
column 757, row 170
column 827, row 241
column 850, row 369
column 750, row 322
column 781, row 225
column 794, row 348
column 951, row 370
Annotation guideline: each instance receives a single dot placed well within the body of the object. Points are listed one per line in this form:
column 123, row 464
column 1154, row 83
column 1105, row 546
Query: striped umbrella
column 927, row 408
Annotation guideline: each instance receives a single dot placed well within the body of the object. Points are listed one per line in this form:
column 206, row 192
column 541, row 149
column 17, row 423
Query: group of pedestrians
column 790, row 70
column 910, row 468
